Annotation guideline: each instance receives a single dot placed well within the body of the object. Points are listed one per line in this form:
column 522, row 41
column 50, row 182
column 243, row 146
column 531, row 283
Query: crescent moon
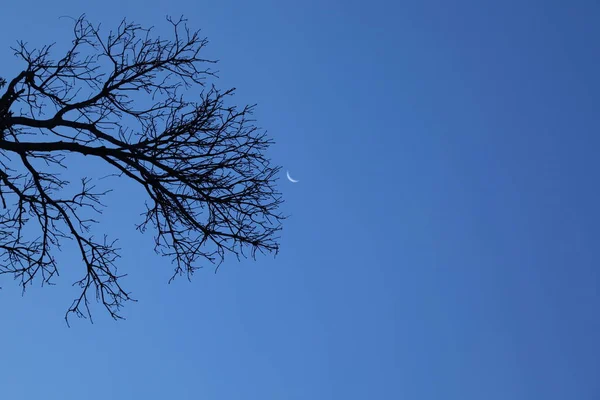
column 290, row 178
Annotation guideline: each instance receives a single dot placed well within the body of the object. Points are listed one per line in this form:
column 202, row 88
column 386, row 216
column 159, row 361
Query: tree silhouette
column 119, row 98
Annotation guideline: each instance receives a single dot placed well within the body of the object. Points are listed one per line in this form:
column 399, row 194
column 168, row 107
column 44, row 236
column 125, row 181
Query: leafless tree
column 119, row 98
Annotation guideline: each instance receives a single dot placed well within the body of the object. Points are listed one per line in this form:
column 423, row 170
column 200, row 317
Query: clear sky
column 442, row 237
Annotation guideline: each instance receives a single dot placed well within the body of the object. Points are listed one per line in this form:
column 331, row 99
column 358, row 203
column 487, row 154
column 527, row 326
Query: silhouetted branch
column 200, row 162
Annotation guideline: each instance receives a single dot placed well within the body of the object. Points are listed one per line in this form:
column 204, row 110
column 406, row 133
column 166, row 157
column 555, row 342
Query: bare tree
column 119, row 98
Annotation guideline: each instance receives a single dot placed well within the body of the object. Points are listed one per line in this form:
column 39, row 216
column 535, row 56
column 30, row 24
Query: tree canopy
column 142, row 106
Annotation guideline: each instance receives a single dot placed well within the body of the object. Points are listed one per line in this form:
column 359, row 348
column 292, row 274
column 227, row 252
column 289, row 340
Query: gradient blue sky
column 442, row 237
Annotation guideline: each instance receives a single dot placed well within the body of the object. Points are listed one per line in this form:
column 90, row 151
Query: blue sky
column 442, row 237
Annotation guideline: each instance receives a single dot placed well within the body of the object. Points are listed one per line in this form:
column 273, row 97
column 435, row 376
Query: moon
column 290, row 178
